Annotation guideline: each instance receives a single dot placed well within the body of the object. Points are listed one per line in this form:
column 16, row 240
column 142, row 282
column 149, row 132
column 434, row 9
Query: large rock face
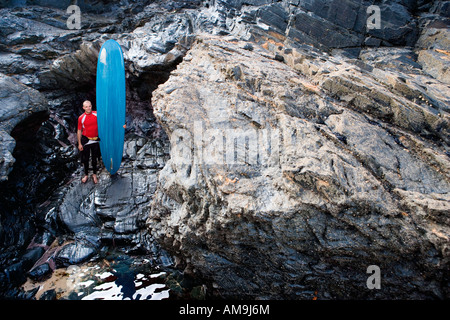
column 277, row 189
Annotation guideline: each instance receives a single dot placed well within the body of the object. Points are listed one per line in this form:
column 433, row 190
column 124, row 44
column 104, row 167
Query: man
column 88, row 141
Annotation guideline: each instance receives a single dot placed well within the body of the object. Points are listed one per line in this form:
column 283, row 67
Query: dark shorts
column 89, row 150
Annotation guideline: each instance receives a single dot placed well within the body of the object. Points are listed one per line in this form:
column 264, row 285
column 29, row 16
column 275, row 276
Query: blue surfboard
column 111, row 104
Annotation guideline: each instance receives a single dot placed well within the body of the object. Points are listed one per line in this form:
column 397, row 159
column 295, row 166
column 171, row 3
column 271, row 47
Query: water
column 124, row 278
column 117, row 277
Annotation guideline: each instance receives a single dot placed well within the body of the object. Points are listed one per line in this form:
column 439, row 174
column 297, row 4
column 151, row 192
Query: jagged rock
column 18, row 102
column 73, row 69
column 158, row 44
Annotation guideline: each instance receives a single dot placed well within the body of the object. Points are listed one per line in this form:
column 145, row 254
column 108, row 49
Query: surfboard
column 110, row 97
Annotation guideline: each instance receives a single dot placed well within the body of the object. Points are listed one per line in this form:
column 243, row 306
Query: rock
column 41, row 272
column 73, row 71
column 111, row 211
column 7, row 159
column 158, row 44
column 77, row 211
column 433, row 49
column 273, row 185
column 15, row 273
column 49, row 295
column 41, row 52
column 18, row 103
column 317, row 31
column 397, row 24
column 75, row 253
column 324, row 145
column 395, row 59
column 31, row 256
column 436, row 63
column 29, row 184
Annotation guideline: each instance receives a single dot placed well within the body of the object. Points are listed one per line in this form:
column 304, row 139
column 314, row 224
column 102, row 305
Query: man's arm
column 80, row 146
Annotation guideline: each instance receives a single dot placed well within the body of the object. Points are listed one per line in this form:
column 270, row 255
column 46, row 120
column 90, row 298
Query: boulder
column 277, row 189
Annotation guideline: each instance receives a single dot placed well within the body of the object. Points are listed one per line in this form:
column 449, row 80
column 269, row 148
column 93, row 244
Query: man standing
column 88, row 141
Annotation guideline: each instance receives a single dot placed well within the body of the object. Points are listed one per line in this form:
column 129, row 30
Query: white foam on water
column 85, row 283
column 139, row 276
column 148, row 293
column 160, row 295
column 156, row 275
column 111, row 291
column 104, row 275
column 105, row 291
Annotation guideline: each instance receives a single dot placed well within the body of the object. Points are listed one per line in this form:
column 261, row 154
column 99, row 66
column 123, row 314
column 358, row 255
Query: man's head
column 87, row 106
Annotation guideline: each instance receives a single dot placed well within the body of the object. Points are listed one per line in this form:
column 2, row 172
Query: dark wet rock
column 76, row 211
column 18, row 102
column 38, row 161
column 72, row 71
column 40, row 52
column 75, row 253
column 40, row 272
column 31, row 256
column 30, row 183
column 113, row 211
column 15, row 273
column 48, row 295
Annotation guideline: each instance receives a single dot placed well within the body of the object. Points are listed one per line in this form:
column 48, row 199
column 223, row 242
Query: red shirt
column 88, row 124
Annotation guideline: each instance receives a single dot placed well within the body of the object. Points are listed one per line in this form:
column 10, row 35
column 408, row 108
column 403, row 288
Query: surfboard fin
column 111, row 164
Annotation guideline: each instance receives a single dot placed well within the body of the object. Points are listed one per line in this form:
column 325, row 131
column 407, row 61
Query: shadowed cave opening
column 47, row 158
